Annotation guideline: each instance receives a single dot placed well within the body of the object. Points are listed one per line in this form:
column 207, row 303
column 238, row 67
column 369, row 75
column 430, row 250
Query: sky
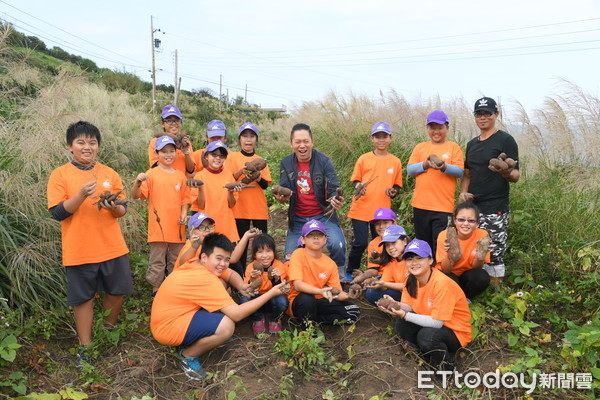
column 289, row 52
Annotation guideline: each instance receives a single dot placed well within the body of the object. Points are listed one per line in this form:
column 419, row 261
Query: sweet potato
column 235, row 185
column 339, row 195
column 255, row 284
column 107, row 196
column 361, row 189
column 270, row 272
column 483, row 245
column 391, row 192
column 454, row 250
column 355, row 290
column 370, row 273
column 502, row 163
column 281, row 191
column 375, row 257
column 435, row 160
column 194, row 183
column 335, row 291
column 258, row 267
column 369, row 281
column 251, row 177
column 389, row 304
column 258, row 164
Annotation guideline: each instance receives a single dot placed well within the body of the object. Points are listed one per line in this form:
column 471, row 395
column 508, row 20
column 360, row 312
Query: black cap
column 486, row 104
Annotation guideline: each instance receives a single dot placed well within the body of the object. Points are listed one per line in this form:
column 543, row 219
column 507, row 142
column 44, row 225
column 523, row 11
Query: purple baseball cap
column 418, row 247
column 250, row 126
column 392, row 233
column 313, row 225
column 216, row 128
column 197, row 219
column 384, row 214
column 163, row 141
column 486, row 104
column 212, row 146
column 381, row 127
column 169, row 110
column 438, row 117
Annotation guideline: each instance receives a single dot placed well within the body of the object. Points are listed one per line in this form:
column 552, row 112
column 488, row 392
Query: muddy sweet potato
column 251, row 177
column 335, row 291
column 375, row 257
column 255, row 284
column 435, row 160
column 361, row 189
column 389, row 304
column 231, row 186
column 108, row 197
column 483, row 245
column 355, row 290
column 369, row 281
column 258, row 267
column 194, row 183
column 281, row 191
column 339, row 196
column 258, row 164
column 454, row 250
column 370, row 273
column 270, row 273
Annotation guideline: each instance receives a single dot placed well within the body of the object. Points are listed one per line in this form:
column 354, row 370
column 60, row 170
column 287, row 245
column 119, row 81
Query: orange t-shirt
column 435, row 190
column 166, row 193
column 468, row 247
column 178, row 164
column 395, row 271
column 388, row 171
column 186, row 290
column 267, row 285
column 252, row 203
column 186, row 246
column 215, row 203
column 318, row 272
column 374, row 246
column 89, row 235
column 442, row 299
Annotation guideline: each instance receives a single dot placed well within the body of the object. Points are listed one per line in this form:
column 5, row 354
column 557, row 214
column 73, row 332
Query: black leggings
column 307, row 307
column 436, row 344
column 472, row 282
column 242, row 226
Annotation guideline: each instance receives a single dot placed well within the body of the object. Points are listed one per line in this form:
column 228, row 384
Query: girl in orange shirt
column 434, row 314
column 272, row 272
column 465, row 266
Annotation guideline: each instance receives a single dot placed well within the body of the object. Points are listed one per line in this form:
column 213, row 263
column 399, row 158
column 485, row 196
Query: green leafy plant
column 303, row 349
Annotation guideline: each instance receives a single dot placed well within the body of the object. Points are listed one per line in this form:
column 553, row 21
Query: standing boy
column 314, row 276
column 489, row 189
column 94, row 252
column 436, row 165
column 377, row 178
column 193, row 310
column 168, row 202
column 171, row 122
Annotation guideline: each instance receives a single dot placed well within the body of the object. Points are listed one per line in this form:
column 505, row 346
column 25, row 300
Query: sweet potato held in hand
column 281, row 191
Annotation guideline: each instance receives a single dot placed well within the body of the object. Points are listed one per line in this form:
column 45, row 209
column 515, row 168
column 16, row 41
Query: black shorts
column 111, row 276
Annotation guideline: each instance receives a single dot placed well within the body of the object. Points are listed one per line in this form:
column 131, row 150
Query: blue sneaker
column 191, row 367
column 348, row 277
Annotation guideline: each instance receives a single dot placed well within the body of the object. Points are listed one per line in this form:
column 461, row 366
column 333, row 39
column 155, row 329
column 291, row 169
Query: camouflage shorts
column 497, row 227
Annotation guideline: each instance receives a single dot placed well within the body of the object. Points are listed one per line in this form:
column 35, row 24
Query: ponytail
column 411, row 286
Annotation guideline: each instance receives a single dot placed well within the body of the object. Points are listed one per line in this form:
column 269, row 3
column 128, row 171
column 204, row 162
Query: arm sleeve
column 424, row 320
column 262, row 183
column 415, row 169
column 283, row 177
column 512, row 149
column 453, row 170
column 331, row 178
column 59, row 213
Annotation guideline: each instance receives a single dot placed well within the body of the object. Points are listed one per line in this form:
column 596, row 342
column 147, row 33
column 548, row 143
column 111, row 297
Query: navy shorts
column 111, row 276
column 203, row 324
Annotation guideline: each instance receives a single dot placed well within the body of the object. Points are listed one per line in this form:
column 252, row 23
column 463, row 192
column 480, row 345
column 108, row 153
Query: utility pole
column 220, row 87
column 246, row 95
column 155, row 43
column 175, row 87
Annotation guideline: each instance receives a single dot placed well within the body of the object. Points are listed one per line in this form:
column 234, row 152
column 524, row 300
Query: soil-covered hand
column 391, row 192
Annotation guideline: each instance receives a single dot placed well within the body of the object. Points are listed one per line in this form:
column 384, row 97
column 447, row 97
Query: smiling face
column 217, row 262
column 248, row 141
column 171, row 125
column 485, row 120
column 265, row 256
column 302, row 145
column 167, row 154
column 395, row 249
column 84, row 149
column 381, row 224
column 466, row 220
column 216, row 159
column 417, row 265
column 206, row 227
column 437, row 132
column 381, row 140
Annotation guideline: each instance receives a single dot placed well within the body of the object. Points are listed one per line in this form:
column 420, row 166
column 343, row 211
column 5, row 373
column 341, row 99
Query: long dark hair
column 385, row 257
column 411, row 283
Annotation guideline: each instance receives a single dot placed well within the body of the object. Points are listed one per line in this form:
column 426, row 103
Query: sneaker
column 258, row 326
column 348, row 277
column 275, row 327
column 82, row 356
column 191, row 367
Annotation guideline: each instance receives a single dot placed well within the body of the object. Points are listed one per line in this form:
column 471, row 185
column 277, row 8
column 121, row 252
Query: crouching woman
column 434, row 314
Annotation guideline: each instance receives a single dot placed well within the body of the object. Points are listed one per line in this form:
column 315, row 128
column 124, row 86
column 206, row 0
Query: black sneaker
column 83, row 357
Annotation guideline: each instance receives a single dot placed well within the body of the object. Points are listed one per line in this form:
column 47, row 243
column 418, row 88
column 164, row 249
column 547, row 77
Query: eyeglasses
column 171, row 121
column 463, row 220
column 205, row 228
column 482, row 114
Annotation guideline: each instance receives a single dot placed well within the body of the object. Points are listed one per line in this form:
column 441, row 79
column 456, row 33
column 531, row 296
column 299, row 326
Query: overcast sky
column 289, row 52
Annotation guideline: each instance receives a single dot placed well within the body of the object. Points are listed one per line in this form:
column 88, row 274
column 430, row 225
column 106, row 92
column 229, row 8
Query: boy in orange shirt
column 434, row 314
column 94, row 252
column 382, row 171
column 171, row 122
column 313, row 276
column 168, row 202
column 193, row 310
column 433, row 198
